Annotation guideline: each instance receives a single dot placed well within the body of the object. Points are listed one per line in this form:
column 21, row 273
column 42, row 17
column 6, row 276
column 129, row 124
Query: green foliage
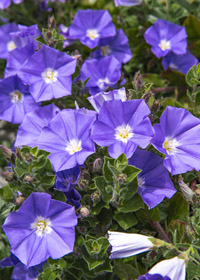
column 32, row 171
column 110, row 193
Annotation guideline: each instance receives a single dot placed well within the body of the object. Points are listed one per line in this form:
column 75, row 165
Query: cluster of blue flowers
column 44, row 227
column 169, row 40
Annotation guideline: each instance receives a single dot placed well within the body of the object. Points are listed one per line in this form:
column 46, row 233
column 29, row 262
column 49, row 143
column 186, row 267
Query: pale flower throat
column 50, row 75
column 92, row 34
column 165, row 45
column 16, row 97
column 11, row 46
column 170, row 145
column 41, row 226
column 74, row 146
column 123, row 133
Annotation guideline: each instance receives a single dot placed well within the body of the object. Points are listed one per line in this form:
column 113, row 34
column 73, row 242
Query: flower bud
column 8, row 175
column 97, row 165
column 186, row 191
column 8, row 154
column 84, row 212
column 122, row 178
column 95, row 197
column 28, row 179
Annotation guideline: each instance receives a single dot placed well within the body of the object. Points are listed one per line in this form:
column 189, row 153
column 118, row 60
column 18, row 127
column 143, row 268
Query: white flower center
column 105, row 50
column 165, row 45
column 41, row 226
column 92, row 34
column 102, row 83
column 16, row 97
column 141, row 181
column 123, row 133
column 170, row 145
column 50, row 75
column 74, row 146
column 11, row 46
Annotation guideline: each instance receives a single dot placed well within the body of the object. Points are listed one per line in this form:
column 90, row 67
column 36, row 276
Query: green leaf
column 125, row 220
column 193, row 75
column 131, row 205
column 193, row 271
column 48, row 274
column 106, row 170
column 131, row 172
column 6, row 193
column 154, row 214
column 192, row 25
column 121, row 162
column 178, row 208
column 105, row 189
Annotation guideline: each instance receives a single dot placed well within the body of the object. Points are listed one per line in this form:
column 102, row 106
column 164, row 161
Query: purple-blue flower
column 6, row 3
column 32, row 125
column 127, row 2
column 90, row 26
column 66, row 181
column 65, row 32
column 25, row 35
column 103, row 73
column 67, row 138
column 171, row 269
column 178, row 137
column 17, row 58
column 123, row 126
column 154, row 183
column 165, row 37
column 181, row 63
column 48, row 72
column 98, row 99
column 15, row 100
column 117, row 46
column 20, row 271
column 128, row 244
column 41, row 228
column 6, row 42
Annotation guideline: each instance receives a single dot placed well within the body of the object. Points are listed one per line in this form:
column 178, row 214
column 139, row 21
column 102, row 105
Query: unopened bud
column 8, row 175
column 82, row 229
column 122, row 178
column 186, row 191
column 20, row 200
column 28, row 179
column 8, row 154
column 137, row 80
column 28, row 157
column 97, row 165
column 51, row 23
column 82, row 183
column 84, row 212
column 95, row 197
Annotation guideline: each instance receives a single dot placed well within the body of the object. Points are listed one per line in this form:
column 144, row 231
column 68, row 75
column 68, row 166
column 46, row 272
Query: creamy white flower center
column 141, row 181
column 11, row 46
column 92, row 34
column 123, row 133
column 74, row 146
column 16, row 97
column 50, row 75
column 101, row 83
column 165, row 45
column 41, row 226
column 170, row 145
column 105, row 50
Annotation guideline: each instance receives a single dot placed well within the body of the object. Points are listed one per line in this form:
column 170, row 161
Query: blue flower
column 154, row 183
